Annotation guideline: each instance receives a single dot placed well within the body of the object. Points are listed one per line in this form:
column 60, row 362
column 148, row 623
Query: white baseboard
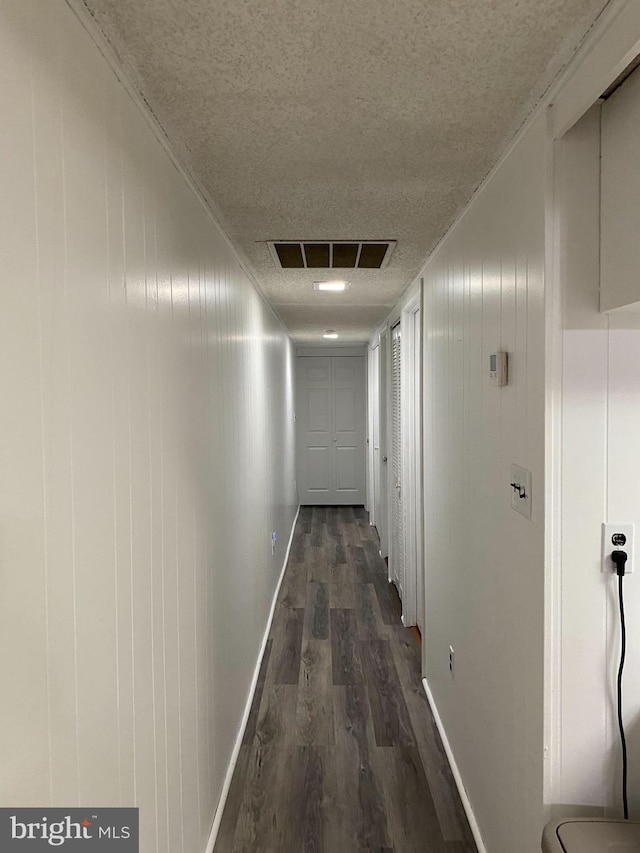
column 473, row 823
column 247, row 710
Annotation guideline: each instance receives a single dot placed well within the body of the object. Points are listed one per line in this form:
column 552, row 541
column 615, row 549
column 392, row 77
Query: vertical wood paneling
column 149, row 407
column 48, row 162
column 22, row 537
column 484, row 562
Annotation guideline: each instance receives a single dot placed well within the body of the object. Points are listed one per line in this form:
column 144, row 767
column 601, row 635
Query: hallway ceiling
column 341, row 120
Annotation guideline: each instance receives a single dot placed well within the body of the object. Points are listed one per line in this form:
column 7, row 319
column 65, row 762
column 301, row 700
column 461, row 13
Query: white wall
column 146, row 452
column 600, row 474
column 484, row 291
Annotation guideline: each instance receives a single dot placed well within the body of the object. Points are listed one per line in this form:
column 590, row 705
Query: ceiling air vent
column 317, row 254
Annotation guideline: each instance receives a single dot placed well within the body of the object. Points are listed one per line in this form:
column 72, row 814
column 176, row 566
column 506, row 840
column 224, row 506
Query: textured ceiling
column 345, row 120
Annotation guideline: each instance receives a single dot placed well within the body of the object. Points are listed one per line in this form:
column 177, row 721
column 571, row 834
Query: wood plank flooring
column 341, row 752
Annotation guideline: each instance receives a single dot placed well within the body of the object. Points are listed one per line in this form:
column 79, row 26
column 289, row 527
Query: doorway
column 411, row 379
column 382, row 509
column 330, row 415
column 397, row 551
column 373, row 447
column 404, row 487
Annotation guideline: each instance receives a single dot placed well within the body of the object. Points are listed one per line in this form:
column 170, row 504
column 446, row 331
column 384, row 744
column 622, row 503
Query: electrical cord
column 623, row 740
column 620, row 558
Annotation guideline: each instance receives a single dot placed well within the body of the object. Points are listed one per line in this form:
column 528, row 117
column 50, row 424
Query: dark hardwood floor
column 341, row 752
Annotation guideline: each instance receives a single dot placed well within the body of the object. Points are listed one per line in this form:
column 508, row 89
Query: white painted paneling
column 599, row 475
column 146, row 452
column 483, row 291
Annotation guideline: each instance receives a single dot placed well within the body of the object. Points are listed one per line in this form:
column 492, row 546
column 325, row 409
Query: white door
column 382, row 519
column 396, row 558
column 330, row 403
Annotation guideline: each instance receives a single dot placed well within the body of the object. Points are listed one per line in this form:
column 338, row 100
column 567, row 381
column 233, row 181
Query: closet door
column 330, row 411
column 397, row 512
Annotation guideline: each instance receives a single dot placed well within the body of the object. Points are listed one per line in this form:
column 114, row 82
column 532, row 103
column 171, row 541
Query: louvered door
column 397, row 516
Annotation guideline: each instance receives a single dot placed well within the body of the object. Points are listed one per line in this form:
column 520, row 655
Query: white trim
column 321, row 351
column 369, row 489
column 217, row 819
column 411, row 403
column 612, row 44
column 554, row 202
column 379, row 330
column 382, row 342
column 466, row 804
column 373, row 433
column 411, row 297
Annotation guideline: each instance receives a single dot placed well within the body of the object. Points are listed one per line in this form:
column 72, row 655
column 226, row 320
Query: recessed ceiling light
column 329, row 333
column 330, row 285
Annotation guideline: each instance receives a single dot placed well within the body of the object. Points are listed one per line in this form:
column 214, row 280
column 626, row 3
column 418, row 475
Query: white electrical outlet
column 617, row 537
column 520, row 485
column 451, row 660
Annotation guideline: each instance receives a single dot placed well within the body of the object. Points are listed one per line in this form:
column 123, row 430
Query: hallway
column 341, row 752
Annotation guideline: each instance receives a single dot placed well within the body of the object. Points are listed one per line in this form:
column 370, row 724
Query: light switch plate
column 520, row 485
column 617, row 537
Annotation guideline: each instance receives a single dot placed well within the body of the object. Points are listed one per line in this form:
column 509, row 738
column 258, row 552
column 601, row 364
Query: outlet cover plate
column 617, row 537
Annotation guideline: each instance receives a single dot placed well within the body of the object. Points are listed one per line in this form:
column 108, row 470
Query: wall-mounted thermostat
column 498, row 374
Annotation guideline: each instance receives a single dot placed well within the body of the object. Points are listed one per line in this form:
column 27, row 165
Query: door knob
column 384, row 458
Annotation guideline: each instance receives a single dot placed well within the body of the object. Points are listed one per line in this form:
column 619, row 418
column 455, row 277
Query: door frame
column 373, row 429
column 612, row 44
column 382, row 521
column 411, row 391
column 354, row 351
